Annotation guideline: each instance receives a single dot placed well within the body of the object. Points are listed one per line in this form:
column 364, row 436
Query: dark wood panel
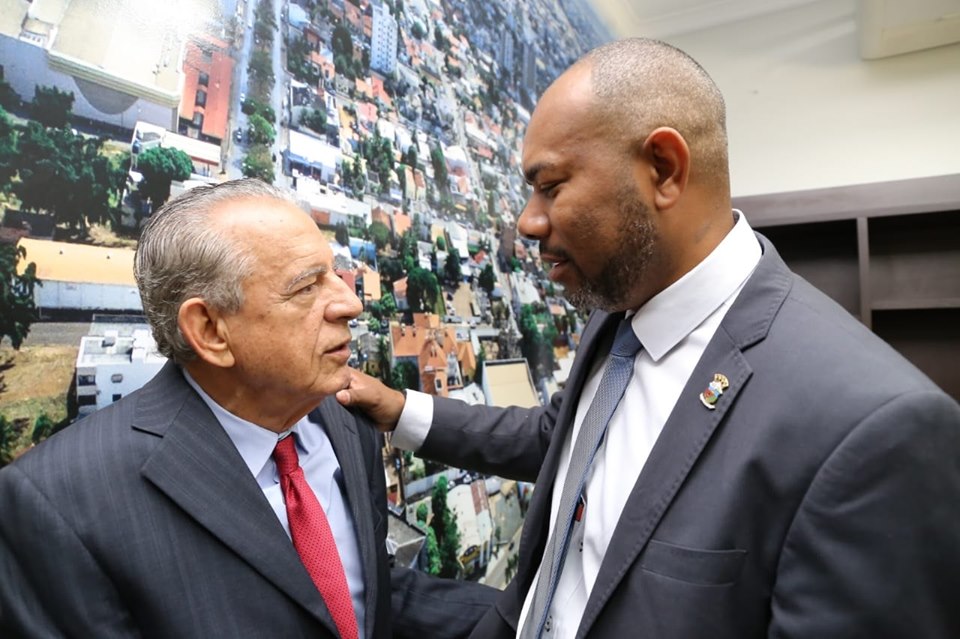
column 914, row 260
column 888, row 252
column 928, row 338
column 825, row 254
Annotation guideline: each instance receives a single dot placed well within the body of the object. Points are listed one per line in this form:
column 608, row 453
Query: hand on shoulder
column 381, row 404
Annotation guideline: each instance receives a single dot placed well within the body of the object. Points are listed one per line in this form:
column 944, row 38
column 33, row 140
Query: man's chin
column 587, row 298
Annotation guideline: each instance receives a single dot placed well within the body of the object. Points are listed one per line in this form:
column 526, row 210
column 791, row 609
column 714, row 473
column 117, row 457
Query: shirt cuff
column 414, row 423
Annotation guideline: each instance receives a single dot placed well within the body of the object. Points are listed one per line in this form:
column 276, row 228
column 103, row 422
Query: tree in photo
column 380, row 234
column 383, row 354
column 8, row 437
column 439, row 169
column 160, row 166
column 410, row 157
column 298, row 61
column 378, row 152
column 315, row 120
column 261, row 66
column 417, row 30
column 422, row 290
column 433, row 553
column 17, row 308
column 252, row 106
column 451, row 268
column 391, row 269
column 408, row 245
column 537, row 343
column 405, row 375
column 265, row 22
column 488, row 279
column 8, row 151
column 341, row 42
column 342, row 234
column 259, row 130
column 258, row 164
column 9, row 99
column 481, row 361
column 65, row 175
column 52, row 107
column 444, row 525
column 388, row 306
column 42, row 428
column 354, row 177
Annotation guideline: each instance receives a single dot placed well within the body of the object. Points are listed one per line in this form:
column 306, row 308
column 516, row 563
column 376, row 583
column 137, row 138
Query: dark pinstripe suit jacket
column 142, row 520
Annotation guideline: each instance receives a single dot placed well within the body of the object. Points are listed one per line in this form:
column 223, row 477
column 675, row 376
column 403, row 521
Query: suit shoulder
column 84, row 446
column 814, row 338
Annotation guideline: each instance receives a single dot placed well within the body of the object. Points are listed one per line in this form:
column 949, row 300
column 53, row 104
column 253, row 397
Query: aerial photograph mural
column 395, row 124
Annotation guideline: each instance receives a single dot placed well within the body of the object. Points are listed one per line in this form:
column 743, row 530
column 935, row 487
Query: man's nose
column 533, row 223
column 346, row 304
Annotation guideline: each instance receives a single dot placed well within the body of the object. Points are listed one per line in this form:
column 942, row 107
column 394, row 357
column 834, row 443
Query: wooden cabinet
column 889, row 253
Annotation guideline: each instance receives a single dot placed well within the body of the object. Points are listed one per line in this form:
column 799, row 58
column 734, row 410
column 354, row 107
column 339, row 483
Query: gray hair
column 183, row 254
column 642, row 84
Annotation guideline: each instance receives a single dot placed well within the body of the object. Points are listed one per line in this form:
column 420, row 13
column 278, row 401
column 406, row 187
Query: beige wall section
column 806, row 112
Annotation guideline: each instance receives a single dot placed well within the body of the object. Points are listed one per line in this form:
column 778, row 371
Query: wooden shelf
column 825, row 254
column 914, row 305
column 889, row 253
column 930, row 338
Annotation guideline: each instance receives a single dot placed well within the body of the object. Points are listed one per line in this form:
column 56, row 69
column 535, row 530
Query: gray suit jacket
column 821, row 498
column 143, row 520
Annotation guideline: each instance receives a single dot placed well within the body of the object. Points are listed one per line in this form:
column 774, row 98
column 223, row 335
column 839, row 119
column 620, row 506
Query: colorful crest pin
column 714, row 390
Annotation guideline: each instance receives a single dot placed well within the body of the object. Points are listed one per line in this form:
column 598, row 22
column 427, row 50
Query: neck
column 250, row 404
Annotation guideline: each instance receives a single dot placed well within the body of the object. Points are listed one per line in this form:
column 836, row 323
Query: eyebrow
column 306, row 274
column 530, row 175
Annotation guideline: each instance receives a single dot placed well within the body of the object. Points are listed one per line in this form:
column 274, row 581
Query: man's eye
column 309, row 288
column 548, row 189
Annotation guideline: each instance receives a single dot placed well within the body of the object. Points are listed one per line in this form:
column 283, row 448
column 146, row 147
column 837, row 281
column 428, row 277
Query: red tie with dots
column 313, row 539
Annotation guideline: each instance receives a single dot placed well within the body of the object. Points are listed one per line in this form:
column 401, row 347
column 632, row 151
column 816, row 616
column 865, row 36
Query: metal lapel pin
column 714, row 390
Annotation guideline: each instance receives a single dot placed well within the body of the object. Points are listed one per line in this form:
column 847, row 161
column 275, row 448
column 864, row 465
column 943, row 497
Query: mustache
column 556, row 253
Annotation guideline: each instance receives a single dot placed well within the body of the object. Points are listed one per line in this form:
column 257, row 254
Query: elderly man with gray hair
column 229, row 497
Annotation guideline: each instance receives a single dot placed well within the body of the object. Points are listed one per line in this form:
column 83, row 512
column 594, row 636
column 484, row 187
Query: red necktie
column 313, row 539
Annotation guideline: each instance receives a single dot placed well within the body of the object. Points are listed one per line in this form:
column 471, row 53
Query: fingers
column 382, row 405
column 344, row 398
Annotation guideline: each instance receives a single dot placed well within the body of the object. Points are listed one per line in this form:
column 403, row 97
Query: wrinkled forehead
column 271, row 229
column 254, row 220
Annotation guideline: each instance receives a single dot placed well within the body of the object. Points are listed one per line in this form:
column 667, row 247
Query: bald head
column 641, row 84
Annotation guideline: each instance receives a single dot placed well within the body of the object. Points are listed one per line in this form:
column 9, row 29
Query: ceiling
column 885, row 27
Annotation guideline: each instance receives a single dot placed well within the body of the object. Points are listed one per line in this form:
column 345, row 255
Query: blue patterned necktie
column 614, row 382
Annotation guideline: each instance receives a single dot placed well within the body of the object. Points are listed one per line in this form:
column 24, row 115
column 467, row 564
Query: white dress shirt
column 321, row 470
column 674, row 327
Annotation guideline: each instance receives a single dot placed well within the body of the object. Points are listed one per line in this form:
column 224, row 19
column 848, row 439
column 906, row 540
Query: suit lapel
column 691, row 424
column 341, row 429
column 198, row 468
column 684, row 436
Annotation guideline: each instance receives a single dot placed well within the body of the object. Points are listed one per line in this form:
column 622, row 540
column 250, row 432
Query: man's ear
column 206, row 332
column 669, row 156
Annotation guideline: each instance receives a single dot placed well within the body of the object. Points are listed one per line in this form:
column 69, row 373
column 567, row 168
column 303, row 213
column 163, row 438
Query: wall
column 805, row 112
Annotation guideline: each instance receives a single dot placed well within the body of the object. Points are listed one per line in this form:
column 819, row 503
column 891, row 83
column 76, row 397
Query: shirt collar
column 255, row 443
column 671, row 315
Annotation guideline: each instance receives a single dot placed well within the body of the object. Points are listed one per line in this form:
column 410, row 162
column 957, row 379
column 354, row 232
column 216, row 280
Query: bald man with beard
column 772, row 469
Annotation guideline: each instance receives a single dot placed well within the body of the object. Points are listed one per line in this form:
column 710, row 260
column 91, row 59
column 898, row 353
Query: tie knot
column 626, row 343
column 285, row 455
